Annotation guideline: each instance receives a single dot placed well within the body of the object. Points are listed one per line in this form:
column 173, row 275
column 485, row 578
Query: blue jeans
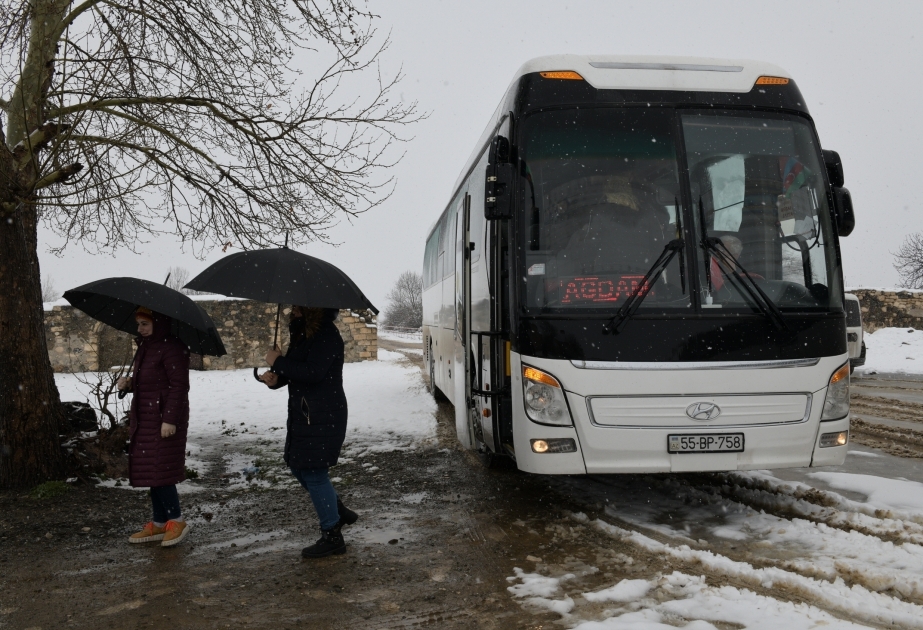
column 165, row 501
column 317, row 483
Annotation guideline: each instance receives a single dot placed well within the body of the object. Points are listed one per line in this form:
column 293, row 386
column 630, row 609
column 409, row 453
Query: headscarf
column 144, row 313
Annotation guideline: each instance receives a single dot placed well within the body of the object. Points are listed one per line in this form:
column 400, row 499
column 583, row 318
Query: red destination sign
column 596, row 289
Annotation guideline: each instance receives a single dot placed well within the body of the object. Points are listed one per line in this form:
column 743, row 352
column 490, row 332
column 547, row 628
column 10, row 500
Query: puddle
column 381, row 536
column 414, row 498
column 274, row 547
column 248, row 540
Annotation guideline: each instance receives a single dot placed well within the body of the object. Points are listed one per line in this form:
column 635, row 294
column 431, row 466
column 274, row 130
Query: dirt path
column 436, row 540
column 888, row 415
column 437, row 544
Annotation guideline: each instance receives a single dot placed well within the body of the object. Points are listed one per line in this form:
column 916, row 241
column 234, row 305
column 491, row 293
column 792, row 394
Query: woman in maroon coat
column 159, row 418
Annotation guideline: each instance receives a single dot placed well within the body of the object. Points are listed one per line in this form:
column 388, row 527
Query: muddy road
column 443, row 543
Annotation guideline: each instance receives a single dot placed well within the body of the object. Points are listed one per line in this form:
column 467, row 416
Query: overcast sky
column 858, row 64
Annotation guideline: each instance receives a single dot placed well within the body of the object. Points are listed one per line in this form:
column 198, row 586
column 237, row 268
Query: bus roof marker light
column 561, row 74
column 772, row 81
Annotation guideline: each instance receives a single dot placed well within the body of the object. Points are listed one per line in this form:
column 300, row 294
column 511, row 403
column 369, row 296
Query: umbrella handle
column 256, row 374
column 122, row 394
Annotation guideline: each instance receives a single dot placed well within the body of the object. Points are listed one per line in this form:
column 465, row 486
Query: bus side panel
column 447, row 336
column 432, row 307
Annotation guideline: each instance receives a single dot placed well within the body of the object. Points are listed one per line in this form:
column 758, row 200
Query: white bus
column 639, row 271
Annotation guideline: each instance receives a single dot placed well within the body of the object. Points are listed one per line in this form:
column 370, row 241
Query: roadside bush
column 50, row 490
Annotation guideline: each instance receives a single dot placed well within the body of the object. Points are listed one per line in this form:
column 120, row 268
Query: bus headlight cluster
column 544, row 398
column 836, row 404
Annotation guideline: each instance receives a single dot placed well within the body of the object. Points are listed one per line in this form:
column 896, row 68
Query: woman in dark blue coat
column 313, row 370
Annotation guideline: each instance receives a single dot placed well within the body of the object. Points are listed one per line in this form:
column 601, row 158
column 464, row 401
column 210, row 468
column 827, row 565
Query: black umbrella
column 113, row 301
column 282, row 276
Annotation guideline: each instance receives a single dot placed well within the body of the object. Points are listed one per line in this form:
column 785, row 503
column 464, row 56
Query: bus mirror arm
column 498, row 198
column 641, row 291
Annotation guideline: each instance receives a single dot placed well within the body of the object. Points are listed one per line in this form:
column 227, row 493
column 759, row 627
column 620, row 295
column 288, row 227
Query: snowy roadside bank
column 236, row 422
column 893, row 351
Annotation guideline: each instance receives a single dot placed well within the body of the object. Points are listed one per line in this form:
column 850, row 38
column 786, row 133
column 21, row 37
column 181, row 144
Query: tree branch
column 37, row 140
column 59, row 176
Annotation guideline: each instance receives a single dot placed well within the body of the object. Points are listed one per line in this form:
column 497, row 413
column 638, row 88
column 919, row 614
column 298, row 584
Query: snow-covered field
column 893, row 351
column 240, row 424
column 400, row 334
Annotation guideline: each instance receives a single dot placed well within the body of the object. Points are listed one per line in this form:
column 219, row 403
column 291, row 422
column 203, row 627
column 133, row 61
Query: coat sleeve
column 176, row 364
column 314, row 367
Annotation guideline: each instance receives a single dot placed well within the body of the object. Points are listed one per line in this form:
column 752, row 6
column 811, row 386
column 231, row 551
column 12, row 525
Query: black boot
column 331, row 543
column 347, row 516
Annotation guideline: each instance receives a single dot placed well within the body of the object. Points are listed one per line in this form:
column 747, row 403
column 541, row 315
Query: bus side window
column 431, row 259
column 447, row 246
column 476, row 214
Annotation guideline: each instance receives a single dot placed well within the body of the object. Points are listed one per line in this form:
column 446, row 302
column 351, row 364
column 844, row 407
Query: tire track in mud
column 800, row 579
column 902, row 442
column 896, row 409
column 840, row 599
column 898, row 441
column 858, row 524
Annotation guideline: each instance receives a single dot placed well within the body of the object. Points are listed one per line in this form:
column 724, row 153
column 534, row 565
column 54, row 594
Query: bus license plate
column 712, row 443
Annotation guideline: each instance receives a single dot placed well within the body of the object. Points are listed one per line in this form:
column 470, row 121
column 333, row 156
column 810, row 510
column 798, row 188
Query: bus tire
column 432, row 371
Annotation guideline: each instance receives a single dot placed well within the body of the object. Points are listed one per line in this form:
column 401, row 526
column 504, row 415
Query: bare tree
column 177, row 277
column 132, row 118
column 405, row 302
column 102, row 385
column 48, row 291
column 908, row 260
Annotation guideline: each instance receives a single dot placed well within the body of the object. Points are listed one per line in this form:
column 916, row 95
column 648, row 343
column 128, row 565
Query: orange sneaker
column 174, row 532
column 149, row 533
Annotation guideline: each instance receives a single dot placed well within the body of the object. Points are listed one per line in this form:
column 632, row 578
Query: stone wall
column 886, row 309
column 78, row 343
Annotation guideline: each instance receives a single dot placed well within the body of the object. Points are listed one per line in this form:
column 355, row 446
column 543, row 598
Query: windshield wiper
column 716, row 247
column 637, row 296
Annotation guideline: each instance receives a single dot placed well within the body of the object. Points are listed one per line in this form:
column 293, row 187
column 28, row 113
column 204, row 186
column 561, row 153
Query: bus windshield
column 601, row 197
column 757, row 186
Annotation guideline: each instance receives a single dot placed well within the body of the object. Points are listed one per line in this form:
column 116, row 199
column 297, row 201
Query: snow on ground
column 893, row 351
column 887, row 494
column 239, row 424
column 756, row 551
column 679, row 597
column 405, row 335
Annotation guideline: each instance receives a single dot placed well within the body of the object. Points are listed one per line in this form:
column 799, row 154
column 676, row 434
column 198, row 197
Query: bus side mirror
column 834, row 167
column 842, row 208
column 498, row 194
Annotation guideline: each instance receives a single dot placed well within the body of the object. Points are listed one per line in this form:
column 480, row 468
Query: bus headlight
column 544, row 398
column 836, row 404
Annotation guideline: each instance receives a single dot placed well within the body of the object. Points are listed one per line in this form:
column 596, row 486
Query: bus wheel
column 487, row 458
column 432, row 371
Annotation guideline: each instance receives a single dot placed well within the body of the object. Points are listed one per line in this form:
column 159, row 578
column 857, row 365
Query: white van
column 855, row 341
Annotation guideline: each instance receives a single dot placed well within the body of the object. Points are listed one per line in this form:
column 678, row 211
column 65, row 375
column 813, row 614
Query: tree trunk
column 31, row 416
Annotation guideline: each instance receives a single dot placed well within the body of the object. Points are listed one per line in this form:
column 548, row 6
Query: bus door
column 486, row 343
column 462, row 300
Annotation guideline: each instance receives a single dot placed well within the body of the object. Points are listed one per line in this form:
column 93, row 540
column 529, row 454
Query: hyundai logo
column 703, row 411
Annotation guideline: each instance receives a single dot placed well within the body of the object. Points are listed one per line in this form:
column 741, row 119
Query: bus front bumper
column 606, row 450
